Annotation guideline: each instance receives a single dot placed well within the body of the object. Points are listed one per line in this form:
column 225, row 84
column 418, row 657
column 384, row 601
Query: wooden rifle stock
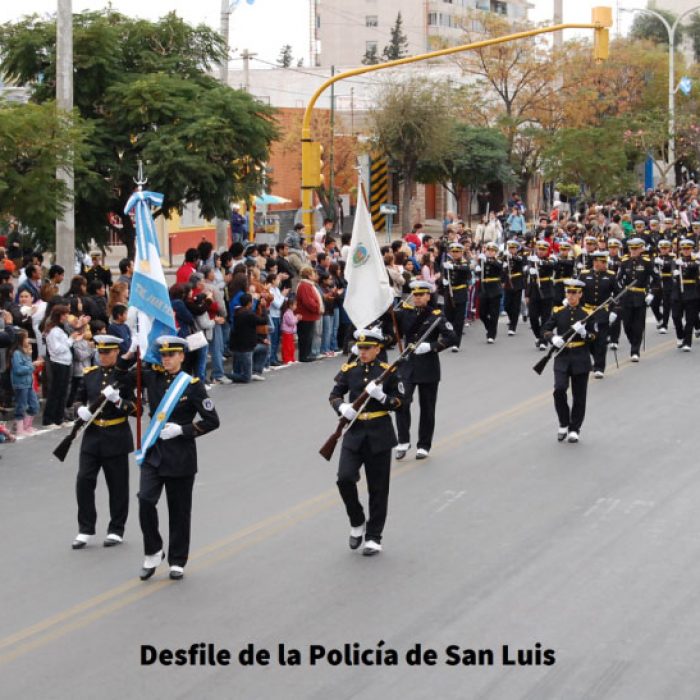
column 358, row 404
column 568, row 336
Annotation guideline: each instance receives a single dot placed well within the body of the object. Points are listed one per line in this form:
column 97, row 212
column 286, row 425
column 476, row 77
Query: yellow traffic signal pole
column 310, row 150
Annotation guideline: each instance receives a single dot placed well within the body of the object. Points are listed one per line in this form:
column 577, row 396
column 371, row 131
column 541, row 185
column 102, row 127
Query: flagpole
column 140, row 182
column 392, row 313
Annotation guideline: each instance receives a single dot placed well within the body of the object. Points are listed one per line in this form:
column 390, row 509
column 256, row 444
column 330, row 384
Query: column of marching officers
column 576, row 305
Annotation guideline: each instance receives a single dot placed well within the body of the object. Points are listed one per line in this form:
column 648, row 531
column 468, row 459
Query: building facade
column 343, row 32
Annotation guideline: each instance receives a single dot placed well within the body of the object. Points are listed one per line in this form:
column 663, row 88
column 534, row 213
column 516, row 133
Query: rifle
column 358, row 404
column 61, row 452
column 569, row 335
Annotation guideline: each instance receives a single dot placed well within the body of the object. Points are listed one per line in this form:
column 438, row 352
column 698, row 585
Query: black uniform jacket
column 178, row 456
column 641, row 272
column 600, row 286
column 413, row 323
column 513, row 272
column 491, row 273
column 459, row 277
column 374, row 423
column 545, row 290
column 690, row 272
column 109, row 434
column 576, row 358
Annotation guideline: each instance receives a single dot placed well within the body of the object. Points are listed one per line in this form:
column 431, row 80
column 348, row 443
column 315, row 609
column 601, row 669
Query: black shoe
column 148, row 571
column 371, row 548
column 80, row 542
column 112, row 540
column 176, row 573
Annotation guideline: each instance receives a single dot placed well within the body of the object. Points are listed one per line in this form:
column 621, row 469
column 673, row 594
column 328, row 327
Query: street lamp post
column 671, row 30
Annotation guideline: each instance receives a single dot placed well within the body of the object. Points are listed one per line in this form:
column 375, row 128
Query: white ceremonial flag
column 369, row 293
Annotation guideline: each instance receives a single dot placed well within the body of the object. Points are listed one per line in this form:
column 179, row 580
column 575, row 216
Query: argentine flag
column 149, row 292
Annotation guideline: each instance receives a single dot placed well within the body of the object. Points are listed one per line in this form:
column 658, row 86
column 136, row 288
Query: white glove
column 84, row 413
column 422, row 349
column 477, row 268
column 347, row 411
column 482, row 256
column 658, row 261
column 376, row 391
column 579, row 266
column 613, row 317
column 532, row 258
column 580, row 328
column 565, row 302
column 648, row 299
column 676, row 273
column 170, row 430
column 558, row 341
column 447, row 265
column 355, row 350
column 111, row 394
column 445, row 282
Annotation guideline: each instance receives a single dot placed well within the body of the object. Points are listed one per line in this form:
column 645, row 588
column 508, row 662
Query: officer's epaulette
column 158, row 368
column 87, row 370
column 610, row 272
column 557, row 308
column 625, row 257
column 384, row 365
column 646, row 257
column 583, row 272
column 437, row 312
column 407, row 306
column 194, row 380
column 348, row 366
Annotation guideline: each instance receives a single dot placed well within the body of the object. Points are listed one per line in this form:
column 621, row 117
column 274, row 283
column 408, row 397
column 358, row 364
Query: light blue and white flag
column 685, row 85
column 149, row 292
column 163, row 412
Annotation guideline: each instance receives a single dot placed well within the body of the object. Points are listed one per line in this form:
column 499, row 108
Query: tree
column 475, row 157
column 412, row 124
column 649, row 27
column 371, row 58
column 398, row 45
column 35, row 140
column 285, row 58
column 147, row 92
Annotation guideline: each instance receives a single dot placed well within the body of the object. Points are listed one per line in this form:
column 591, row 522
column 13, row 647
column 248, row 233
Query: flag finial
column 140, row 180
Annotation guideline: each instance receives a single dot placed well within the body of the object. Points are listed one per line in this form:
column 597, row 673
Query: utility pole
column 65, row 226
column 331, row 155
column 246, row 56
column 558, row 18
column 222, row 224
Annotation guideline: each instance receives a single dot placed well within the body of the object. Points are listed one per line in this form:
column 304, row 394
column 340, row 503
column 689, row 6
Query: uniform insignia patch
column 208, row 405
column 161, row 416
column 401, row 389
column 449, row 326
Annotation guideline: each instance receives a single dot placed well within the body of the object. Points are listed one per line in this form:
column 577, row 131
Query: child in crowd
column 21, row 376
column 119, row 327
column 288, row 330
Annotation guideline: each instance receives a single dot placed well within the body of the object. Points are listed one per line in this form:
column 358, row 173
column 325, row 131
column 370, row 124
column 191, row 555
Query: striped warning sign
column 378, row 189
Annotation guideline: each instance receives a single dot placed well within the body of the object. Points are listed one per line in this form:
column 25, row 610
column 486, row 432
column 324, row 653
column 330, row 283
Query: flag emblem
column 360, row 256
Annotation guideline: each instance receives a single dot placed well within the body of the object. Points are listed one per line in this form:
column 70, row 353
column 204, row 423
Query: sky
column 266, row 25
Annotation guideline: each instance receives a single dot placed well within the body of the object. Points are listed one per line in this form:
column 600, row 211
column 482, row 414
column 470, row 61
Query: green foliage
column 144, row 91
column 371, row 57
column 35, row 140
column 649, row 27
column 593, row 156
column 285, row 58
column 475, row 156
column 398, row 44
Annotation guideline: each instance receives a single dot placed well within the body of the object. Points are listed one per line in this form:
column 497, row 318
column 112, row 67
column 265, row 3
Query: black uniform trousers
column 599, row 347
column 116, row 470
column 178, row 491
column 614, row 330
column 571, row 419
column 512, row 302
column 661, row 306
column 689, row 310
column 377, row 471
column 633, row 320
column 489, row 310
column 539, row 310
column 455, row 313
column 427, row 399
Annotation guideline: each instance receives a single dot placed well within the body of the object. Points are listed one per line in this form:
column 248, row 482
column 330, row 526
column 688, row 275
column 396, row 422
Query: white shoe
column 573, row 436
column 561, row 434
column 490, row 341
column 542, row 346
column 401, row 449
column 613, row 346
column 152, row 561
column 177, row 572
column 222, row 380
column 258, row 378
column 421, row 453
column 112, row 540
column 663, row 330
column 208, row 387
column 686, row 348
column 634, row 358
column 511, row 332
column 371, row 548
column 455, row 348
column 266, row 369
column 80, row 541
column 598, row 374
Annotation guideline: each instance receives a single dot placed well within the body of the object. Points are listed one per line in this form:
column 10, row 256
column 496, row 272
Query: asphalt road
column 502, row 537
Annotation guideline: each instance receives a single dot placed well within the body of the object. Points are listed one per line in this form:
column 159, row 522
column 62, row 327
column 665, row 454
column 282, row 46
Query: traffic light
column 601, row 16
column 312, row 163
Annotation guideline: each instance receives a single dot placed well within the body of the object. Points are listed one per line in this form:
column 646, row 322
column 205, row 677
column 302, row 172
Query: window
column 499, row 7
column 371, row 21
column 432, row 19
column 483, row 5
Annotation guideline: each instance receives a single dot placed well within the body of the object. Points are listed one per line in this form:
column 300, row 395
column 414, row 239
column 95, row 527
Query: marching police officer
column 585, row 260
column 599, row 285
column 685, row 295
column 636, row 269
column 570, row 331
column 171, row 461
column 513, row 284
column 565, row 268
column 422, row 369
column 490, row 270
column 456, row 276
column 539, row 292
column 665, row 263
column 107, row 442
column 369, row 439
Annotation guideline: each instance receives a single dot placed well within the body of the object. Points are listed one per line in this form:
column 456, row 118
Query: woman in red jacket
column 309, row 309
